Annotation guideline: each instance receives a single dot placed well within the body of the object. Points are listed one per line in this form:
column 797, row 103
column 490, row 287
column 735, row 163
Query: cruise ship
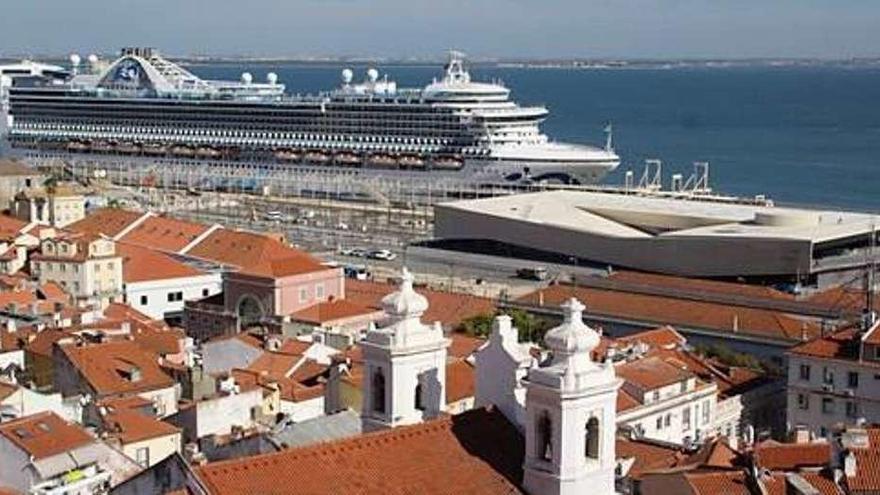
column 146, row 107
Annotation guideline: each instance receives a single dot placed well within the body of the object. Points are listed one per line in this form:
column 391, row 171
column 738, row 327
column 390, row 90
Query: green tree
column 530, row 327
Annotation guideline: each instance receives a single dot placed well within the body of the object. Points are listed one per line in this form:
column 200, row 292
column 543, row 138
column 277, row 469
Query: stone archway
column 249, row 311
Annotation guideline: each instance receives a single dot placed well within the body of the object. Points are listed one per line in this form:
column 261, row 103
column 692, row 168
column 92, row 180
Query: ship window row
column 109, row 104
column 110, row 132
column 243, row 132
column 216, row 114
column 190, row 120
column 447, row 122
column 389, row 130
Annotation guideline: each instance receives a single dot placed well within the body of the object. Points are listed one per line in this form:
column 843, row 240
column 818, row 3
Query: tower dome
column 573, row 336
column 405, row 303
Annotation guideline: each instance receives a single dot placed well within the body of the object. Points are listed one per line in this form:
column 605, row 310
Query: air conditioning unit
column 826, row 387
column 849, row 392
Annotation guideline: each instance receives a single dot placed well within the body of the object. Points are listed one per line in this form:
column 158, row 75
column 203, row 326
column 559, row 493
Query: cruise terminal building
column 686, row 237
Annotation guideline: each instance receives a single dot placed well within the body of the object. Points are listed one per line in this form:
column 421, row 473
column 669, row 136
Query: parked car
column 538, row 273
column 381, row 254
column 273, row 216
column 358, row 272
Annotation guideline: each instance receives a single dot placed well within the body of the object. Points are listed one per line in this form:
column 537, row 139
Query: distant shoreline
column 571, row 64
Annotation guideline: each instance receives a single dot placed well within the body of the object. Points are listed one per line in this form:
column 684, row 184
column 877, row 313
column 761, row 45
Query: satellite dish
column 347, row 76
column 247, row 77
column 75, row 59
column 272, row 78
column 372, row 75
column 93, row 59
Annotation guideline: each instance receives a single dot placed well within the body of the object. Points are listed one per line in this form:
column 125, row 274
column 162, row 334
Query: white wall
column 10, row 357
column 159, row 448
column 165, row 399
column 12, row 466
column 217, row 416
column 696, row 401
column 864, row 396
column 25, row 402
column 304, row 409
column 157, row 292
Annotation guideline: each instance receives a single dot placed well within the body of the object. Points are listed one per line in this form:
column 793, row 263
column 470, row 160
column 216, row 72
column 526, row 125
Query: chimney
column 134, row 374
column 540, row 298
column 10, row 325
column 849, row 465
column 125, row 327
column 735, row 322
column 272, row 343
column 800, row 435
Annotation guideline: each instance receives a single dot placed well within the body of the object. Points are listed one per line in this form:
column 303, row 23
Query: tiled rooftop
column 679, row 312
column 479, row 448
column 140, row 264
column 44, row 434
column 107, row 221
column 651, row 373
column 791, row 456
column 130, row 426
column 255, row 254
column 460, row 381
column 449, row 308
column 328, row 311
column 109, row 367
column 164, row 233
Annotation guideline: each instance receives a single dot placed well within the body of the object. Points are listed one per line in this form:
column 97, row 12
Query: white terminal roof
column 642, row 217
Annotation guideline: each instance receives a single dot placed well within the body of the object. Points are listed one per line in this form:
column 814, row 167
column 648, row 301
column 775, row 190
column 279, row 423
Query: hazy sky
column 400, row 28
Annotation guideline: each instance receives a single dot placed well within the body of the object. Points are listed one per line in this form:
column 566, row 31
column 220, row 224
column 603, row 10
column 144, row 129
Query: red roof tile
column 140, row 264
column 449, row 308
column 460, row 381
column 715, row 483
column 463, row 346
column 650, row 373
column 255, row 254
column 164, row 233
column 107, row 367
column 7, row 389
column 480, row 449
column 328, row 311
column 44, row 434
column 791, row 456
column 10, row 227
column 663, row 337
column 131, row 426
column 867, row 478
column 679, row 312
column 842, row 345
column 107, row 221
column 648, row 455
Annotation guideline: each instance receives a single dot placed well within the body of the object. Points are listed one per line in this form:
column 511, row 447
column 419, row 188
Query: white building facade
column 571, row 414
column 162, row 298
column 405, row 362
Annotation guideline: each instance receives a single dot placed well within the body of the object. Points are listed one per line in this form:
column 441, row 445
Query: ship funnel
column 272, row 78
column 247, row 77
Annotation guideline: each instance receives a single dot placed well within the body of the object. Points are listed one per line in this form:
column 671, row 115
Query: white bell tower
column 405, row 360
column 571, row 414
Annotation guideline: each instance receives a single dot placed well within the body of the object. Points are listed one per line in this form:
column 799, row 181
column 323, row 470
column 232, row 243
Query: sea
column 805, row 135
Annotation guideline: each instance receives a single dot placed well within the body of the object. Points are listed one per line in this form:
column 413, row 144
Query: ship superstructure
column 144, row 105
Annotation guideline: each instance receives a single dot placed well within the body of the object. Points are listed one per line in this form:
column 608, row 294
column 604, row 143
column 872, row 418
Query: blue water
column 806, row 135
